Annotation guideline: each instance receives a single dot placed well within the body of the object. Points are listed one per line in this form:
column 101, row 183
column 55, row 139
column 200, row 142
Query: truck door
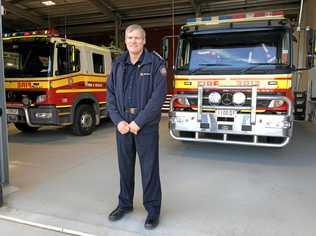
column 169, row 46
column 68, row 59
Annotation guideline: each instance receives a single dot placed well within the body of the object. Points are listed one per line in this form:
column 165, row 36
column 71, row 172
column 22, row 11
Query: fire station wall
column 154, row 36
column 308, row 19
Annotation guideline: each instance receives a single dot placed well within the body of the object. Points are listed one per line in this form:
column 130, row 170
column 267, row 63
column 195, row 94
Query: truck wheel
column 23, row 127
column 84, row 120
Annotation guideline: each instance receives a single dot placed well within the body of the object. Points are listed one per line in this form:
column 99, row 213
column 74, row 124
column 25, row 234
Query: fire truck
column 233, row 80
column 54, row 81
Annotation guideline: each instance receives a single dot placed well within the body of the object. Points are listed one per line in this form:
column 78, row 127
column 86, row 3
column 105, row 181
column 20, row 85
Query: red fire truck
column 54, row 81
column 233, row 80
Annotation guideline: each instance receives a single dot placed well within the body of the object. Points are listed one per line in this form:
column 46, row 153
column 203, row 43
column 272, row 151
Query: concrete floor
column 9, row 228
column 208, row 189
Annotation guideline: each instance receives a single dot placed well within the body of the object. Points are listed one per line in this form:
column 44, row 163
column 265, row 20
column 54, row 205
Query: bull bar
column 253, row 125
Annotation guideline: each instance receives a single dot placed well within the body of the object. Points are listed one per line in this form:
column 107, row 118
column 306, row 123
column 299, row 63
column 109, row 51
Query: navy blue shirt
column 151, row 88
column 130, row 82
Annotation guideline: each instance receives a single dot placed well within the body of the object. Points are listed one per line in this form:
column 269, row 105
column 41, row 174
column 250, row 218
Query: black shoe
column 118, row 213
column 152, row 221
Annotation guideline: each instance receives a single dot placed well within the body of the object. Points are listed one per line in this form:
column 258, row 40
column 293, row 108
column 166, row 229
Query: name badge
column 145, row 74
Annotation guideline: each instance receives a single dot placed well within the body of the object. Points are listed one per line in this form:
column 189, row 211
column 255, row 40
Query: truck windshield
column 242, row 52
column 27, row 58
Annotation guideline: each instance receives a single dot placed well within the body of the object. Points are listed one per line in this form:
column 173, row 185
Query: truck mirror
column 71, row 53
column 165, row 48
column 311, row 48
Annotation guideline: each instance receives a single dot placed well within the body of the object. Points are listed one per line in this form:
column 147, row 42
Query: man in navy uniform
column 136, row 93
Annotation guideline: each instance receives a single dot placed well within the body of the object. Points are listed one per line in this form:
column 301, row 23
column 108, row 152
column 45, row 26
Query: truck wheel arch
column 86, row 98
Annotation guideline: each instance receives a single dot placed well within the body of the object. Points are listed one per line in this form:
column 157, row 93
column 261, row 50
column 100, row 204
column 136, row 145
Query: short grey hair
column 133, row 27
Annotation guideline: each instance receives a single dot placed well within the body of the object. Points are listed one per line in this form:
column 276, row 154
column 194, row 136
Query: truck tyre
column 25, row 128
column 84, row 120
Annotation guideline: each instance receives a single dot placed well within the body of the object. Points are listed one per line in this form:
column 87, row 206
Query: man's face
column 134, row 41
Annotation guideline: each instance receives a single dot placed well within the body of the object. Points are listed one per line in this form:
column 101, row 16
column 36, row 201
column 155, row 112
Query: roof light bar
column 48, row 32
column 251, row 16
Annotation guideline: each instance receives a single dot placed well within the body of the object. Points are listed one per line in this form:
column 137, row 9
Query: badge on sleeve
column 163, row 71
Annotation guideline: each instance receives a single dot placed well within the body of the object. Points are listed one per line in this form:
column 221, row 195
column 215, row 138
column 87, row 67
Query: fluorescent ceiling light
column 49, row 3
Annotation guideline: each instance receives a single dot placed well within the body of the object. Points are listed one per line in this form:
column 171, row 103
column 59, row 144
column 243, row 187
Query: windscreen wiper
column 255, row 66
column 214, row 64
column 207, row 66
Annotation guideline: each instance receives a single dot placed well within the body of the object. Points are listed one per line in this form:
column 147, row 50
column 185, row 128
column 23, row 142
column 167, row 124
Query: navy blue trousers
column 146, row 145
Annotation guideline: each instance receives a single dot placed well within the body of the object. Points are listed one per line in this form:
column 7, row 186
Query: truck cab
column 233, row 80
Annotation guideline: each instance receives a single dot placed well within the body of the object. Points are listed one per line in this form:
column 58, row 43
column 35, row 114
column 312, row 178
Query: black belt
column 131, row 110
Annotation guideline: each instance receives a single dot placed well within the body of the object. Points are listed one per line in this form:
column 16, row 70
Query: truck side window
column 98, row 63
column 68, row 60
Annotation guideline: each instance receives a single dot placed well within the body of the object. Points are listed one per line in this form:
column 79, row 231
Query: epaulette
column 158, row 55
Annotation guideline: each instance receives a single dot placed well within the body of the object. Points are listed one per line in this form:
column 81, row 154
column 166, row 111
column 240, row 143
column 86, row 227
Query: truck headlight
column 214, row 98
column 183, row 101
column 276, row 103
column 239, row 98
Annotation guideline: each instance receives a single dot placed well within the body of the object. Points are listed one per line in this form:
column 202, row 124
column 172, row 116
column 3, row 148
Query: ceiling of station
column 93, row 16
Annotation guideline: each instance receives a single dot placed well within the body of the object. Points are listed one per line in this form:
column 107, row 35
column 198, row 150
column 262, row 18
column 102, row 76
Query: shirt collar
column 140, row 60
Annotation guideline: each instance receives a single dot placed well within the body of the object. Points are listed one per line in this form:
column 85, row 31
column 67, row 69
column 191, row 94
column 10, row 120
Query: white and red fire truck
column 54, row 81
column 233, row 80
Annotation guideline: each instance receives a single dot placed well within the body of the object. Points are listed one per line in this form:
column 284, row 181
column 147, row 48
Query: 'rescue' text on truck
column 233, row 80
column 54, row 81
